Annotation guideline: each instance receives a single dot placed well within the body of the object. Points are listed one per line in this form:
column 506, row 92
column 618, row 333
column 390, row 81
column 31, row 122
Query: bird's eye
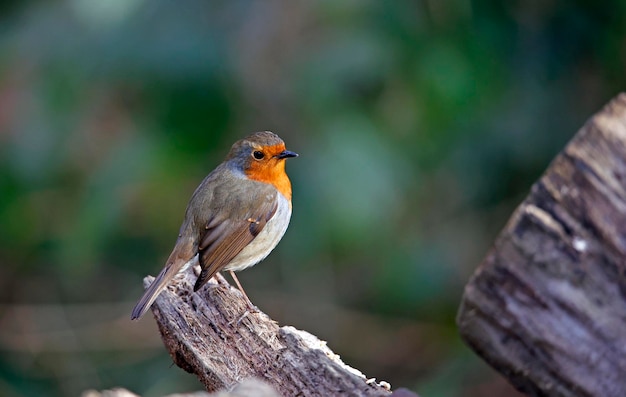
column 257, row 154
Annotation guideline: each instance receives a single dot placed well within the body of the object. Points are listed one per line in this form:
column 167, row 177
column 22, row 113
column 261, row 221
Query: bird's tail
column 158, row 285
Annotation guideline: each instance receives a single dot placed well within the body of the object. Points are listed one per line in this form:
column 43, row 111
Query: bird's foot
column 250, row 310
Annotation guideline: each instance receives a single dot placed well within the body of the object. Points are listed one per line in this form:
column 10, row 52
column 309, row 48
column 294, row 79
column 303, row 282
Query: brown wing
column 225, row 238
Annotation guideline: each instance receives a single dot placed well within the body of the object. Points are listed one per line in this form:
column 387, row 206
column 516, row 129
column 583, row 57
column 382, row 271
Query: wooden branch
column 547, row 307
column 212, row 335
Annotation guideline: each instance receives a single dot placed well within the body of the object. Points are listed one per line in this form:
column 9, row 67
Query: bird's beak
column 286, row 153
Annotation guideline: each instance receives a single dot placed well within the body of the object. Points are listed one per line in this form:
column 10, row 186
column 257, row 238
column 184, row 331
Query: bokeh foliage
column 420, row 124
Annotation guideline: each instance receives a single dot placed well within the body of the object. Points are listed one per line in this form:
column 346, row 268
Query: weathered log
column 547, row 307
column 212, row 334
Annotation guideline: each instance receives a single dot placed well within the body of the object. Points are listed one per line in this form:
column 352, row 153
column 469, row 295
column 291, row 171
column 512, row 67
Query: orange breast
column 272, row 172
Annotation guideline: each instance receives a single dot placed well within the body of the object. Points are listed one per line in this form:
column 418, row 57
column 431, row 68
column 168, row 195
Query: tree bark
column 212, row 334
column 547, row 307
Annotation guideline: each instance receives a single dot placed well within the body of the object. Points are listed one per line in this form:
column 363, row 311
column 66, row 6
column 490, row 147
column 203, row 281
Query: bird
column 235, row 217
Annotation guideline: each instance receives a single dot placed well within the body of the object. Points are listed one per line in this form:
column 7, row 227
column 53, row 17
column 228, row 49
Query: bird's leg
column 251, row 307
column 221, row 281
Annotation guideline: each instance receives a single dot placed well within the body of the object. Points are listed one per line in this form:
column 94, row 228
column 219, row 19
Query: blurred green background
column 421, row 125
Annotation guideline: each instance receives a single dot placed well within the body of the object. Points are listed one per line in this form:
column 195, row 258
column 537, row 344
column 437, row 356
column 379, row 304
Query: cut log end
column 547, row 307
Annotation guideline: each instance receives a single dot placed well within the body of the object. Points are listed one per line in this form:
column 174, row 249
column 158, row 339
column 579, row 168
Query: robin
column 235, row 217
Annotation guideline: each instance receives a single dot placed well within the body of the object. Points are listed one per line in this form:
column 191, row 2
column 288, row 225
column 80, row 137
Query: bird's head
column 261, row 157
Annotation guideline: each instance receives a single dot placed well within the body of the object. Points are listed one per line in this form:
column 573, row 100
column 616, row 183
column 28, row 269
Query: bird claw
column 244, row 315
column 250, row 310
